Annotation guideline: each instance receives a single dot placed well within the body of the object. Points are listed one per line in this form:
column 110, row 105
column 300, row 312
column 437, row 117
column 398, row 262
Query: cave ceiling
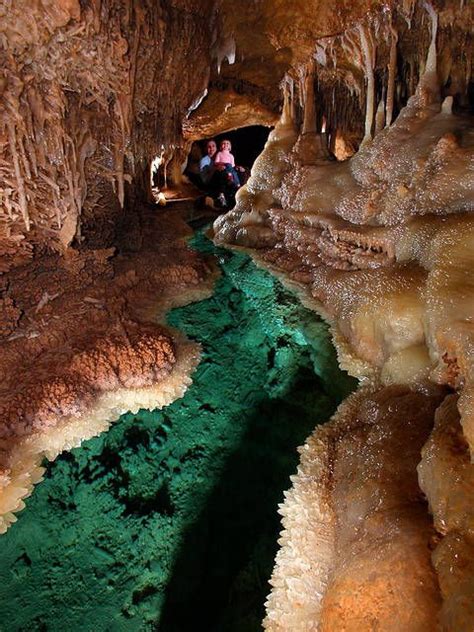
column 96, row 82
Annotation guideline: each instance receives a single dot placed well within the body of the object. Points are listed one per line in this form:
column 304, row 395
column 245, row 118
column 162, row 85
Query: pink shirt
column 224, row 156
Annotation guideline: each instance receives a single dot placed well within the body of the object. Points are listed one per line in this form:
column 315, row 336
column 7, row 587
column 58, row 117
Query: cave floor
column 169, row 521
column 59, row 307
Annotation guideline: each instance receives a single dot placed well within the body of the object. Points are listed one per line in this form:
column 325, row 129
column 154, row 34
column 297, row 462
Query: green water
column 169, row 521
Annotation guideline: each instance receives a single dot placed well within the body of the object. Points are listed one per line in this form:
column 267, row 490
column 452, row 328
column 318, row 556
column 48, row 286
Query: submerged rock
column 170, row 516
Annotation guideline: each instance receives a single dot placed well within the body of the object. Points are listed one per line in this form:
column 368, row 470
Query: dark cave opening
column 247, row 145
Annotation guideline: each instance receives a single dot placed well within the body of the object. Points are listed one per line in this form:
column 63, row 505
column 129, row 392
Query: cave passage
column 169, row 520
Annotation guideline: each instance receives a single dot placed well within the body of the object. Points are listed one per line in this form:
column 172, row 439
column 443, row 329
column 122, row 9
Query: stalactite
column 56, row 194
column 431, row 65
column 309, row 121
column 287, row 116
column 428, row 89
column 119, row 161
column 133, row 64
column 120, row 154
column 29, row 136
column 24, row 159
column 19, row 178
column 165, row 173
column 8, row 204
column 320, row 54
column 226, row 50
column 368, row 52
column 392, row 71
column 292, row 100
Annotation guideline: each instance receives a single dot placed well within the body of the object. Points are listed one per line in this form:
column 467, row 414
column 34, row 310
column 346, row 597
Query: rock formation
column 361, row 203
column 381, row 246
column 83, row 92
column 82, row 88
column 88, row 348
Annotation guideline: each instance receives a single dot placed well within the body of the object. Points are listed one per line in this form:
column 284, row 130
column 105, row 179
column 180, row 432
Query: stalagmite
column 380, row 117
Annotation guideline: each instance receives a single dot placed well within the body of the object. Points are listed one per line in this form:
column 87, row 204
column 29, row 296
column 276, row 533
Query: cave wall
column 90, row 91
column 381, row 246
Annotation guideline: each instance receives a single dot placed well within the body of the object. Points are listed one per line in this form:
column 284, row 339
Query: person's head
column 211, row 147
column 225, row 145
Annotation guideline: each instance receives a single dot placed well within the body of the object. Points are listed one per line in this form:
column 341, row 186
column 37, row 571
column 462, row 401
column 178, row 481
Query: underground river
column 169, row 519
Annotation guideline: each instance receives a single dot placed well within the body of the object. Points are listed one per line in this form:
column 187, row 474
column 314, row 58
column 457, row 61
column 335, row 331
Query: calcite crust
column 88, row 346
column 382, row 246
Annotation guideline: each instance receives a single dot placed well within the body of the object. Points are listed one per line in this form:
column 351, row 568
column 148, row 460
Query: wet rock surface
column 87, row 343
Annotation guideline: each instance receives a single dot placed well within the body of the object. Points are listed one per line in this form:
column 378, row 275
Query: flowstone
column 170, row 518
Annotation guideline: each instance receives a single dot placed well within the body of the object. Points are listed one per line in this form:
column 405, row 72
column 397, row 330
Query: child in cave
column 224, row 160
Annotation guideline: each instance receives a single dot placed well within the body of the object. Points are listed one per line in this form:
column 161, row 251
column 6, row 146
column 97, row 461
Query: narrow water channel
column 169, row 520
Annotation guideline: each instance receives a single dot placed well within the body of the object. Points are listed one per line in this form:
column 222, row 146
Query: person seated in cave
column 225, row 161
column 214, row 178
column 206, row 164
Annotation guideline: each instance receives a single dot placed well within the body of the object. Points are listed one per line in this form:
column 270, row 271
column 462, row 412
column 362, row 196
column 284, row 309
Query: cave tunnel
column 247, row 145
column 243, row 401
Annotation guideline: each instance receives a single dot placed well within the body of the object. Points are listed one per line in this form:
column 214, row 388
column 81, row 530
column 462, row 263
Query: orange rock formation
column 382, row 246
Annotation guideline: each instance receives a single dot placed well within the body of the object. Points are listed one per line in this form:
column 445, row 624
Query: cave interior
column 257, row 417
